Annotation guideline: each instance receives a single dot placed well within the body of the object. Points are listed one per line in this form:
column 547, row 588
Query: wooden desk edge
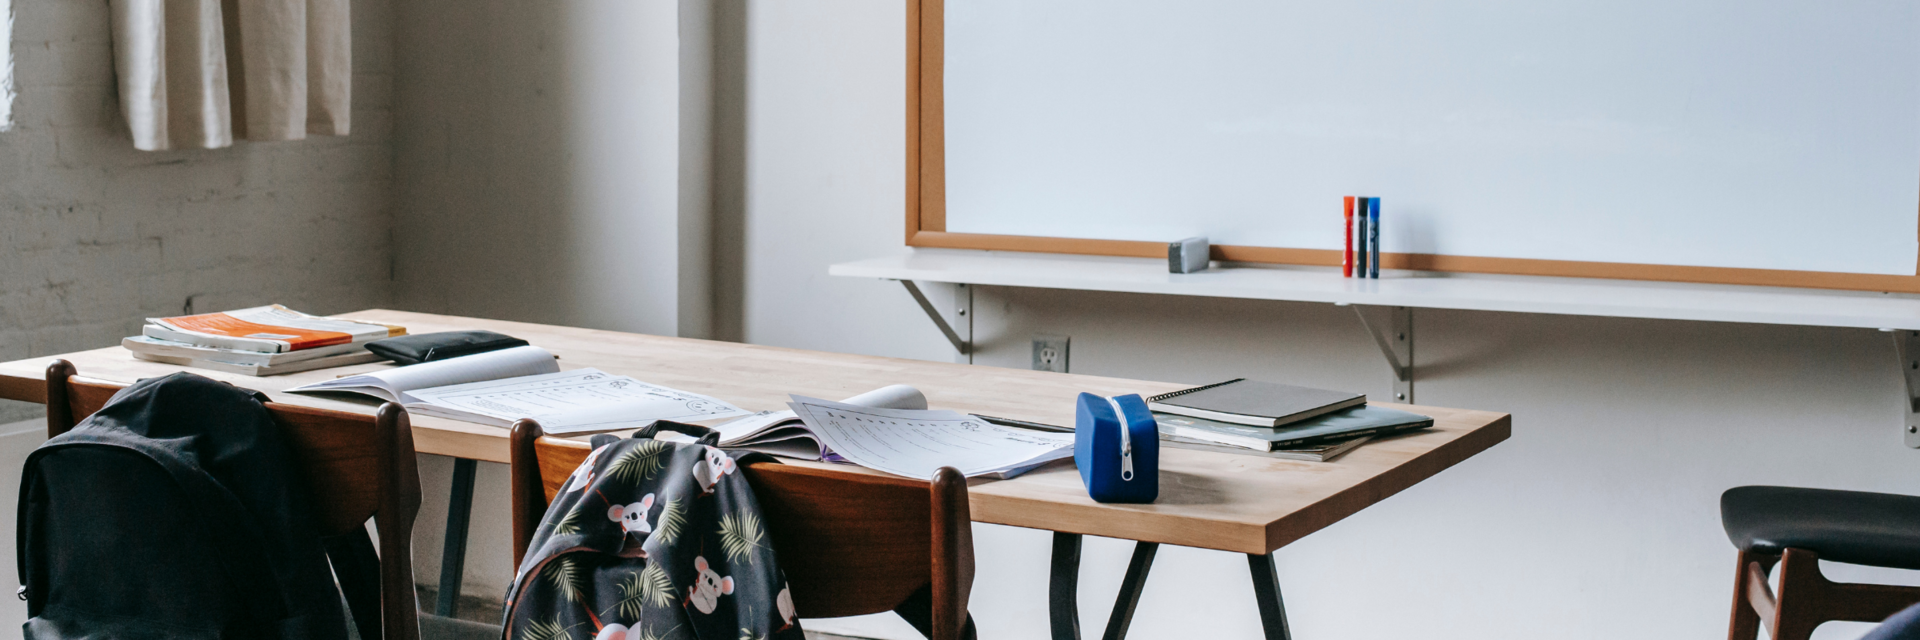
column 32, row 390
column 1253, row 537
column 1323, row 514
column 466, row 441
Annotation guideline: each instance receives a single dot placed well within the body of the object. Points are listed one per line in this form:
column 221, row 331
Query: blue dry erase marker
column 1373, row 238
column 1360, row 237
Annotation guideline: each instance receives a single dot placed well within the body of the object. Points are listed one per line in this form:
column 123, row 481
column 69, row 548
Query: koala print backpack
column 652, row 540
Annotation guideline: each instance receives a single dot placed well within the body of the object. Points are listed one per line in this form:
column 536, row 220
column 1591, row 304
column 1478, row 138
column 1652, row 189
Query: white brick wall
column 95, row 236
column 6, row 64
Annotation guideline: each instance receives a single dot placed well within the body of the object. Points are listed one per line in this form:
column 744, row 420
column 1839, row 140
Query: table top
column 1420, row 289
column 1210, row 500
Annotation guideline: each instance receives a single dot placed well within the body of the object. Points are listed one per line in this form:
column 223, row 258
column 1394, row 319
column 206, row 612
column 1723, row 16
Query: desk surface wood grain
column 1209, row 500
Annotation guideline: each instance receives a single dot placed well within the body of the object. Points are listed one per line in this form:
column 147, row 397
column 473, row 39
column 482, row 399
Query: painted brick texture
column 95, row 236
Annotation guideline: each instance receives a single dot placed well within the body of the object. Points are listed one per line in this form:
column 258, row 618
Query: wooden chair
column 850, row 544
column 1795, row 528
column 357, row 466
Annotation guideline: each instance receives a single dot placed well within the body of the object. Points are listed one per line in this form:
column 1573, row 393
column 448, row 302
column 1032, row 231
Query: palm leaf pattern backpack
column 652, row 540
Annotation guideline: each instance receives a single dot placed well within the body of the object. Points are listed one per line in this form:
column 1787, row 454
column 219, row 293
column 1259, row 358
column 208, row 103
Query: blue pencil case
column 1116, row 444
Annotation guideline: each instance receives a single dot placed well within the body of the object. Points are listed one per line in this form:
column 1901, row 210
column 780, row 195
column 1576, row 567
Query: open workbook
column 500, row 387
column 782, row 433
column 891, row 430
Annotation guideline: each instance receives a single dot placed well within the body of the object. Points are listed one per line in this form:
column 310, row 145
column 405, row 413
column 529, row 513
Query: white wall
column 539, row 162
column 552, row 163
column 1596, row 520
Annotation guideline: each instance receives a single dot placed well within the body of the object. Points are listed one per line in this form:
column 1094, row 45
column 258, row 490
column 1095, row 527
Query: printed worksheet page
column 915, row 443
column 567, row 402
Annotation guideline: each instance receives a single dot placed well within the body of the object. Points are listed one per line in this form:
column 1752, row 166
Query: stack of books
column 1278, row 420
column 261, row 341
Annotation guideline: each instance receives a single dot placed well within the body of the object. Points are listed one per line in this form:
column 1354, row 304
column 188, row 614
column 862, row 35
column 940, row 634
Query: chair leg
column 917, row 610
column 1801, row 598
column 59, row 403
column 1745, row 624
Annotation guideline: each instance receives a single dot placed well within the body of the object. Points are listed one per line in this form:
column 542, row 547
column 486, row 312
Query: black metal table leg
column 1063, row 587
column 1130, row 588
column 453, row 556
column 1266, row 591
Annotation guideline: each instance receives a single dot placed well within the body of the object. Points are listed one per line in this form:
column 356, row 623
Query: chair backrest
column 357, row 467
column 849, row 543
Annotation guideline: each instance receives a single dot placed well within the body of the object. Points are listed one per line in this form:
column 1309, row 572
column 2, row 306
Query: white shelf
column 1419, row 289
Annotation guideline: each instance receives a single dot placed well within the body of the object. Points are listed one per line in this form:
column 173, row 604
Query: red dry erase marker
column 1346, row 260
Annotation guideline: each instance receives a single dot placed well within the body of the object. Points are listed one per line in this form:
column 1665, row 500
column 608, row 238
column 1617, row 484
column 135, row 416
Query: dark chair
column 849, row 543
column 358, row 467
column 1796, row 528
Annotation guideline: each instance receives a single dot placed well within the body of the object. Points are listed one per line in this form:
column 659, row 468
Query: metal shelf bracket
column 1394, row 335
column 1906, row 344
column 962, row 336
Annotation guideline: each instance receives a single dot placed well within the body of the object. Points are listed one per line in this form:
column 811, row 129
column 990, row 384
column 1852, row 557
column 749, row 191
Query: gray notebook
column 1358, row 421
column 1254, row 403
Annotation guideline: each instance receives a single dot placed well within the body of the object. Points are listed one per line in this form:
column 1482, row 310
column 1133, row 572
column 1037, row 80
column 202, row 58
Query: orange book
column 269, row 329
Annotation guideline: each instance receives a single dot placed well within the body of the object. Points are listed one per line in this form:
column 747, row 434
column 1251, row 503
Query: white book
column 153, row 346
column 782, row 433
column 394, row 384
column 568, row 402
column 917, row 443
column 787, row 434
column 500, row 387
column 297, row 366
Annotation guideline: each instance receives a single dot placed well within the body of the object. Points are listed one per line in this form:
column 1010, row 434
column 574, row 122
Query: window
column 6, row 64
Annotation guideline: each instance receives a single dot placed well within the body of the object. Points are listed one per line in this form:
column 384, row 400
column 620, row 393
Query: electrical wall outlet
column 1050, row 353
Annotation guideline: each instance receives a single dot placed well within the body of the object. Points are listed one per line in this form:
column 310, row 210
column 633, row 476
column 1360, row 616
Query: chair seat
column 1855, row 527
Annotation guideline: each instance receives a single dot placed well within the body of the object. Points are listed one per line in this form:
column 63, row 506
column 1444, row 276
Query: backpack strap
column 357, row 567
column 707, row 436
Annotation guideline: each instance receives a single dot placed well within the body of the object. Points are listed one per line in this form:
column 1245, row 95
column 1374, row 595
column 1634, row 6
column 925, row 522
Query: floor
column 487, row 610
column 470, row 607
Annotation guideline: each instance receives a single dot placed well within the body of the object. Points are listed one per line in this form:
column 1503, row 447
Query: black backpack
column 173, row 512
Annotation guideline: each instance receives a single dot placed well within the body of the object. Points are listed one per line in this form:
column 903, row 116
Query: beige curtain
column 202, row 73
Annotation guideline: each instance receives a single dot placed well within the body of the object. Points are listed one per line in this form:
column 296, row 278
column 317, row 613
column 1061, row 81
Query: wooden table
column 1244, row 504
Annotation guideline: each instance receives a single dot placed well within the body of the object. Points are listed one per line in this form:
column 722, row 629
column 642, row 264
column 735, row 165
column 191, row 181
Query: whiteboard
column 1763, row 134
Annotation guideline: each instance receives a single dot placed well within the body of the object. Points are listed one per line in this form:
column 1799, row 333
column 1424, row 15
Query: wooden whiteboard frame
column 927, row 207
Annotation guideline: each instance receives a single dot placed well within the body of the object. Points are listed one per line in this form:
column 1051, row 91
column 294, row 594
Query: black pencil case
column 428, row 347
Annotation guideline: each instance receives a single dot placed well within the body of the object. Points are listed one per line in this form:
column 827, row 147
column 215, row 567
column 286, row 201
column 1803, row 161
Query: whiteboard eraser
column 1187, row 256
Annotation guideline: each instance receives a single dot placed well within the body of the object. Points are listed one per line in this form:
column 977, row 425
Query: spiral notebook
column 1254, row 403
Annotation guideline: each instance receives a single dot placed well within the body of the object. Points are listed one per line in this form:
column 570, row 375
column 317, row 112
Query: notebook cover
column 1342, row 424
column 1319, row 452
column 1256, row 402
